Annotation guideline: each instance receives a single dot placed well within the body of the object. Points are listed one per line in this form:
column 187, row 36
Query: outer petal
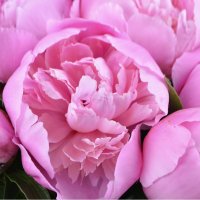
column 183, row 183
column 32, row 170
column 33, row 135
column 164, row 145
column 130, row 158
column 171, row 156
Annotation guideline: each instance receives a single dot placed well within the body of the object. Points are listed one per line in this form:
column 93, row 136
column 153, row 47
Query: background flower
column 171, row 161
column 22, row 24
column 82, row 94
column 165, row 28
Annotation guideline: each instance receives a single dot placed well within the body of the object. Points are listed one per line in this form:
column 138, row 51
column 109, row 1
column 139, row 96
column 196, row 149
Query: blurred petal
column 143, row 29
column 10, row 39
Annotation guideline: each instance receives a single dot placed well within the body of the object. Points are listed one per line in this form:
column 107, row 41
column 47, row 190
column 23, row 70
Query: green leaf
column 13, row 191
column 2, row 186
column 134, row 192
column 174, row 100
column 27, row 185
column 1, row 90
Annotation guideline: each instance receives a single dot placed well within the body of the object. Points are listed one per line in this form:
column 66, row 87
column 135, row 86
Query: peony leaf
column 27, row 185
column 174, row 100
column 2, row 186
column 134, row 192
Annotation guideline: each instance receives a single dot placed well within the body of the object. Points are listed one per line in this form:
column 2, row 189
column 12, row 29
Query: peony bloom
column 7, row 148
column 165, row 28
column 22, row 24
column 171, row 159
column 80, row 94
column 185, row 76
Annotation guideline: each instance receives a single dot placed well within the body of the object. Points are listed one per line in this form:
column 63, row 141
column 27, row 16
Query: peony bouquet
column 99, row 99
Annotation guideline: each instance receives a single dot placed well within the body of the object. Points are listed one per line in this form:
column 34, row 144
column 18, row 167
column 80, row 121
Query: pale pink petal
column 102, row 103
column 81, row 119
column 110, row 126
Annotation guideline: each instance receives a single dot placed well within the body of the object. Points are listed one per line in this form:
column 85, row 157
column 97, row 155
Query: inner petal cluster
column 87, row 101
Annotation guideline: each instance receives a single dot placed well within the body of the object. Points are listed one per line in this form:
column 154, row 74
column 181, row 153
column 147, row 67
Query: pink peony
column 22, row 24
column 79, row 95
column 171, row 157
column 7, row 148
column 165, row 28
column 185, row 76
